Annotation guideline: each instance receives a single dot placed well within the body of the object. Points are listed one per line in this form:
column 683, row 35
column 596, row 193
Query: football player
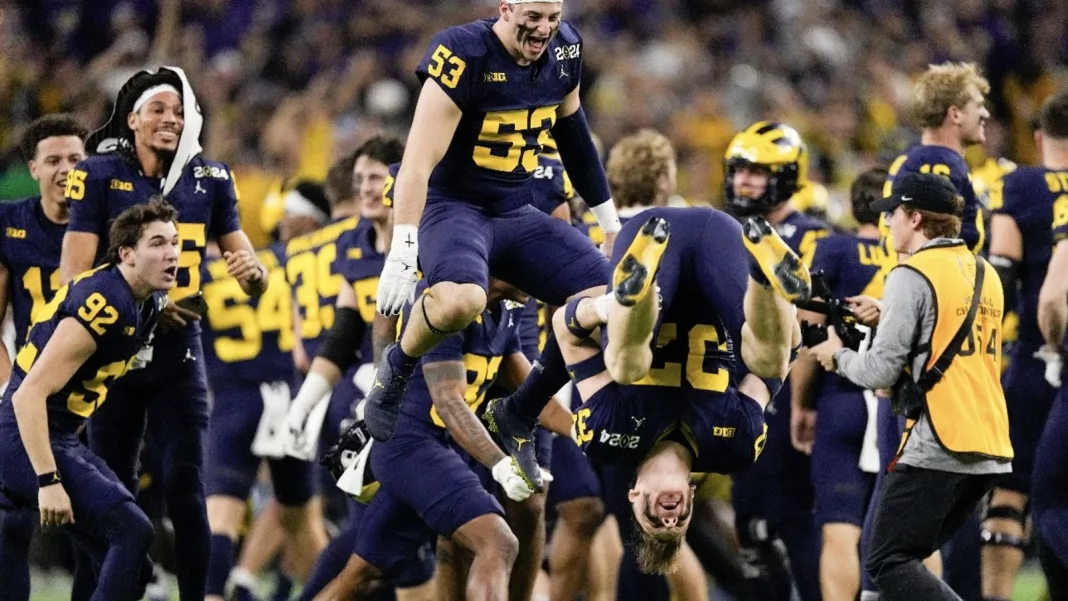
column 29, row 275
column 85, row 338
column 1051, row 458
column 151, row 144
column 492, row 92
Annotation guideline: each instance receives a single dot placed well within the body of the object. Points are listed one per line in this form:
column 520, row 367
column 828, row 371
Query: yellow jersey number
column 502, row 131
column 274, row 313
column 317, row 282
column 699, row 337
column 366, row 292
column 446, row 67
column 481, row 372
column 75, row 189
column 1060, row 212
column 33, row 283
column 193, row 240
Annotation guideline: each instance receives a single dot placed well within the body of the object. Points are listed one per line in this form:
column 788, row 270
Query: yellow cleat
column 783, row 268
column 634, row 275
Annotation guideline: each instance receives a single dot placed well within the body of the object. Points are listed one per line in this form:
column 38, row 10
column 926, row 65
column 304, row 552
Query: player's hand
column 243, row 266
column 824, row 351
column 55, row 506
column 803, row 429
column 397, row 284
column 608, row 244
column 174, row 317
column 507, row 475
column 296, row 421
column 866, row 309
column 1051, row 356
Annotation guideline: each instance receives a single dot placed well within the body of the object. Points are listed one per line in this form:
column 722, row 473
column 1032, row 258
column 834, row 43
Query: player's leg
column 16, row 533
column 262, row 545
column 230, row 472
column 842, row 491
column 688, row 582
column 526, row 520
column 575, row 494
column 301, row 513
column 1051, row 526
column 606, row 552
column 178, row 419
column 454, row 259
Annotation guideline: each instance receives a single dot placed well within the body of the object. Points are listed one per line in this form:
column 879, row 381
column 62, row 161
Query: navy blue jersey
column 248, row 339
column 29, row 249
column 1060, row 214
column 103, row 303
column 1028, row 195
column 481, row 346
column 801, row 233
column 946, row 162
column 552, row 186
column 508, row 110
column 311, row 272
column 102, row 186
column 703, row 277
column 851, row 266
column 360, row 264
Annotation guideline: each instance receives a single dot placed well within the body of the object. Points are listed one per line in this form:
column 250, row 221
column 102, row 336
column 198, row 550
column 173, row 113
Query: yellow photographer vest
column 967, row 406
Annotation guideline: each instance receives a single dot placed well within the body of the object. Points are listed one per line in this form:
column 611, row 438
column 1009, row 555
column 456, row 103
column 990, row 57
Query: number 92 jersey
column 102, row 303
column 508, row 110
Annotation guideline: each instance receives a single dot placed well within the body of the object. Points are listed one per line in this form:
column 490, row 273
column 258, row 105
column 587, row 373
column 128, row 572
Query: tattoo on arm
column 446, row 381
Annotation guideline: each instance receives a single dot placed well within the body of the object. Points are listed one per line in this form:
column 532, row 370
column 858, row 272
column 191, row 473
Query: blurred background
column 286, row 85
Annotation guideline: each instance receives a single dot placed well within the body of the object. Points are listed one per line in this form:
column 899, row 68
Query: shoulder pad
column 467, row 41
column 568, row 34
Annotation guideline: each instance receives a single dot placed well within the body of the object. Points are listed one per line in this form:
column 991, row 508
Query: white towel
column 307, row 448
column 271, row 433
column 869, row 448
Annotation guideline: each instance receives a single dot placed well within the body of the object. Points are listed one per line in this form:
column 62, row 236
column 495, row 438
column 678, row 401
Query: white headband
column 296, row 205
column 149, row 93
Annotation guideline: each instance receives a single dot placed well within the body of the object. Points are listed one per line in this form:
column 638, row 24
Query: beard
column 165, row 155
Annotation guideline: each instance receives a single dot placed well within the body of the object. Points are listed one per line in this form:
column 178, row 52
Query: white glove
column 396, row 286
column 305, row 416
column 1054, row 364
column 506, row 474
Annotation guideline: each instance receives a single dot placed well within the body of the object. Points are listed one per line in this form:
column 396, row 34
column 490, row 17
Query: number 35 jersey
column 29, row 248
column 507, row 108
column 101, row 302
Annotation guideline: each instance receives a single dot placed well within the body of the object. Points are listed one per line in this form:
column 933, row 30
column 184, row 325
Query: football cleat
column 633, row 277
column 781, row 265
column 515, row 436
column 382, row 407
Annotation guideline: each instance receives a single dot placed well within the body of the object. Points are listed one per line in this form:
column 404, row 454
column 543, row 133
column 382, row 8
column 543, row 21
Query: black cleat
column 632, row 279
column 382, row 407
column 515, row 436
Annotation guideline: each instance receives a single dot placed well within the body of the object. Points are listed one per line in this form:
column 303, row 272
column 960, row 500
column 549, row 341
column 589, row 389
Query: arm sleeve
column 451, row 61
column 907, row 300
column 88, row 201
column 224, row 219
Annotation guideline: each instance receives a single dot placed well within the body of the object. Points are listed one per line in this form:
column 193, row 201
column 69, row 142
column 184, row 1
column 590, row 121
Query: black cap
column 921, row 191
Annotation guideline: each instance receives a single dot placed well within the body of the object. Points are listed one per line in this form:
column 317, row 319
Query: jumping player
column 492, row 91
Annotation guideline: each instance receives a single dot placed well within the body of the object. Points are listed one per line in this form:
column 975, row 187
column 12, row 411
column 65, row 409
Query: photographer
column 941, row 354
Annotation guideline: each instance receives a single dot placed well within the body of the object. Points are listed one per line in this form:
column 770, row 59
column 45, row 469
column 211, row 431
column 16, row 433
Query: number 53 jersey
column 507, row 108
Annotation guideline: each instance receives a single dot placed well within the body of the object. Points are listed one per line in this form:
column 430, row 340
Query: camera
column 839, row 316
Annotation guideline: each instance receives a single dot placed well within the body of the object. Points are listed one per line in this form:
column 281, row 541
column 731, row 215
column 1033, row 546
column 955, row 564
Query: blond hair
column 635, row 165
column 941, row 87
